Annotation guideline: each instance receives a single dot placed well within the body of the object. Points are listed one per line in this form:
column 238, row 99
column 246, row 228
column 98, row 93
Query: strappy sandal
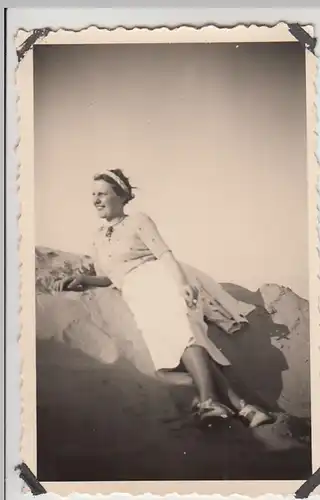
column 253, row 415
column 210, row 409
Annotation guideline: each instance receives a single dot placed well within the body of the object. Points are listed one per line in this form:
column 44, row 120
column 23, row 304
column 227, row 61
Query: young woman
column 131, row 255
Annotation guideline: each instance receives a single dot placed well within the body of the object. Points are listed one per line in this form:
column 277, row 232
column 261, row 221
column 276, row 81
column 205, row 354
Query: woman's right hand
column 71, row 283
column 191, row 295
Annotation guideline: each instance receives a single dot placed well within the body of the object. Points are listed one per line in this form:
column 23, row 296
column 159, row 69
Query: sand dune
column 97, row 391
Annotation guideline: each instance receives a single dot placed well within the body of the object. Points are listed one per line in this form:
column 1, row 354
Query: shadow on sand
column 109, row 422
column 256, row 364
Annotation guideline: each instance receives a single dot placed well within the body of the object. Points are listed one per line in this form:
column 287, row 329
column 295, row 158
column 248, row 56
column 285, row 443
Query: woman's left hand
column 191, row 295
column 72, row 283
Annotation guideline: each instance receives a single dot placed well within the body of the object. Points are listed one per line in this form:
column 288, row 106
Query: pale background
column 213, row 136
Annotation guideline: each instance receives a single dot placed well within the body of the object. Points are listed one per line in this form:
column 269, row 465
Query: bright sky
column 213, row 136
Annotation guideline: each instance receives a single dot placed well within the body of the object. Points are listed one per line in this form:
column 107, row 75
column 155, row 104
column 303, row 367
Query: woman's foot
column 254, row 416
column 210, row 409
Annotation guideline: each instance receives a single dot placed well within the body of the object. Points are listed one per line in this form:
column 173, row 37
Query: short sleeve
column 149, row 234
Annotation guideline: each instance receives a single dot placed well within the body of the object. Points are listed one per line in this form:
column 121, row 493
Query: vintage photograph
column 171, row 289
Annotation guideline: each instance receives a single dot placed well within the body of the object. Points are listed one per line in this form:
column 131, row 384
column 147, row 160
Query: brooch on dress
column 109, row 232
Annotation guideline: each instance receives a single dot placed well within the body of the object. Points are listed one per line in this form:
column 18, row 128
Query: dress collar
column 105, row 225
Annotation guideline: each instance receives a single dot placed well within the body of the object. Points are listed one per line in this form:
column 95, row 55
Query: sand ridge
column 97, row 389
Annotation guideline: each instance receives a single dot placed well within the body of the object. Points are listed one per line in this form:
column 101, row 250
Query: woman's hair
column 126, row 195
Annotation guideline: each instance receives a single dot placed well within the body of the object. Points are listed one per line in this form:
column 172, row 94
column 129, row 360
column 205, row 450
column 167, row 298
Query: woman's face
column 106, row 201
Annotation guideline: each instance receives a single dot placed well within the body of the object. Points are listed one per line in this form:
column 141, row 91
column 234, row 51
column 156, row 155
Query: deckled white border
column 163, row 35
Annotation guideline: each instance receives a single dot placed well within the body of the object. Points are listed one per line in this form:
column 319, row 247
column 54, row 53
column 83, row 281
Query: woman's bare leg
column 197, row 363
column 252, row 414
column 225, row 388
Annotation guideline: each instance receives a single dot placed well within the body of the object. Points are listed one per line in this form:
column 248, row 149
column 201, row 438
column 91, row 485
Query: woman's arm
column 99, row 281
column 151, row 237
column 175, row 268
column 190, row 293
column 80, row 281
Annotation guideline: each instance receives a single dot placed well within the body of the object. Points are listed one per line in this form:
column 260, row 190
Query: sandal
column 253, row 415
column 210, row 408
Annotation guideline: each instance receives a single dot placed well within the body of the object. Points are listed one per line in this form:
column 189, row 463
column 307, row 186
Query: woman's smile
column 106, row 201
column 100, row 206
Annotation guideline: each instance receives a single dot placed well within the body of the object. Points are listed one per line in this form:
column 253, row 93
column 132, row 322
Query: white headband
column 116, row 179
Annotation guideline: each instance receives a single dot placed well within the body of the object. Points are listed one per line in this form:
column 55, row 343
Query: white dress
column 131, row 258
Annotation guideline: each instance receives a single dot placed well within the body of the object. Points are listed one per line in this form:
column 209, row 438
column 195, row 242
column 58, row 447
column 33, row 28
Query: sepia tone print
column 168, row 248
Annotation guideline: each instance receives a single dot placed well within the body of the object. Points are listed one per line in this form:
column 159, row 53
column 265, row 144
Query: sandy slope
column 102, row 412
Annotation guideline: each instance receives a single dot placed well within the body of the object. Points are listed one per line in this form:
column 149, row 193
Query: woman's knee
column 195, row 353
